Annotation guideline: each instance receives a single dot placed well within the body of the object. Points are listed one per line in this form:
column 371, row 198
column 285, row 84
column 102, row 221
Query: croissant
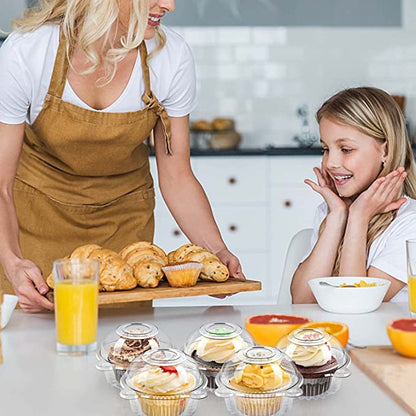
column 146, row 260
column 212, row 269
column 113, row 272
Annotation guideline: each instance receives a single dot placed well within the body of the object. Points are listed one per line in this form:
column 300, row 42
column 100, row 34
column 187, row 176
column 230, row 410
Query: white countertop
column 35, row 380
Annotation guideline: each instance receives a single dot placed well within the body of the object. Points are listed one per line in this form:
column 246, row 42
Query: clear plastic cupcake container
column 259, row 381
column 163, row 382
column 122, row 346
column 215, row 343
column 323, row 379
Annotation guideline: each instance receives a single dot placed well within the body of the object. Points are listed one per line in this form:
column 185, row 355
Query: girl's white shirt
column 388, row 251
column 26, row 66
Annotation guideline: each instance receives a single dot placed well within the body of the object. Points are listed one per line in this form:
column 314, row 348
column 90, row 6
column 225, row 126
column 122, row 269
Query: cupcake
column 260, row 381
column 182, row 274
column 214, row 344
column 129, row 341
column 166, row 383
column 315, row 358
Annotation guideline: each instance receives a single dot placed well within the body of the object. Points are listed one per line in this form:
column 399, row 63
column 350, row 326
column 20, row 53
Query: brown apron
column 84, row 175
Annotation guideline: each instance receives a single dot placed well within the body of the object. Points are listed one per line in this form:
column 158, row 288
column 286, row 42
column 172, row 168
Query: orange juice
column 412, row 293
column 76, row 311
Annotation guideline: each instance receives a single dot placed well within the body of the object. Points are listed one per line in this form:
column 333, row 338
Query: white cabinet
column 259, row 203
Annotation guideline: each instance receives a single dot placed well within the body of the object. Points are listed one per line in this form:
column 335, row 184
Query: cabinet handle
column 232, row 228
column 288, row 203
column 176, row 233
column 232, row 181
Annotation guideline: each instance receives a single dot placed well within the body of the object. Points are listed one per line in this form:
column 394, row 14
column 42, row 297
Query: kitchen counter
column 35, row 380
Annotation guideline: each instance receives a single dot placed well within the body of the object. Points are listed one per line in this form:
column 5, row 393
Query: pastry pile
column 141, row 263
column 212, row 268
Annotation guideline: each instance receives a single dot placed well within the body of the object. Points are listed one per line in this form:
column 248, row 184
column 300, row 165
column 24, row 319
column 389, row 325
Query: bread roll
column 146, row 260
column 113, row 272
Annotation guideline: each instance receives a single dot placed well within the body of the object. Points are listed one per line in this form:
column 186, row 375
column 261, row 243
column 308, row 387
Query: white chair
column 298, row 247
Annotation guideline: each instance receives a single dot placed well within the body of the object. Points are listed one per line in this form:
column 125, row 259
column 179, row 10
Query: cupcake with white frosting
column 166, row 383
column 214, row 344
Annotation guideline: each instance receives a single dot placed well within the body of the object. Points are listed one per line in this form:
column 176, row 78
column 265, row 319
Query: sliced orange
column 402, row 334
column 337, row 329
column 268, row 329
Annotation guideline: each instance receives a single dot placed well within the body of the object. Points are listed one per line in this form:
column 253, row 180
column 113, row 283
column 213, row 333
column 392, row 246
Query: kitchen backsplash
column 261, row 76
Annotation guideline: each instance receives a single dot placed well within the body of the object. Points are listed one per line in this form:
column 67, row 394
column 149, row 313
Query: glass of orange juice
column 411, row 273
column 76, row 305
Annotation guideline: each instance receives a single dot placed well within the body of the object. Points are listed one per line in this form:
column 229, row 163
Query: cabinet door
column 243, row 228
column 233, row 180
column 293, row 208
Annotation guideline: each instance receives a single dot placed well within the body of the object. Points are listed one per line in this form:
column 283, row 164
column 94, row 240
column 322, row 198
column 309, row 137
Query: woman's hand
column 30, row 287
column 232, row 263
column 381, row 196
column 326, row 188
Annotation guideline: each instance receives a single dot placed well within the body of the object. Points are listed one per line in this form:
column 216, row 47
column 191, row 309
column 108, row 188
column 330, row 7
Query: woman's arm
column 24, row 275
column 184, row 195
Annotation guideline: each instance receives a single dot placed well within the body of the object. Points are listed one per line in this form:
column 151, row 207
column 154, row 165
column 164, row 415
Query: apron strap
column 151, row 102
column 60, row 69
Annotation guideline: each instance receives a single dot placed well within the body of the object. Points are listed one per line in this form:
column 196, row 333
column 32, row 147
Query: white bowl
column 349, row 299
column 9, row 303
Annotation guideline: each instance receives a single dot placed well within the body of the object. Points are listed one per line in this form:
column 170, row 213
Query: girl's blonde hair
column 83, row 22
column 374, row 113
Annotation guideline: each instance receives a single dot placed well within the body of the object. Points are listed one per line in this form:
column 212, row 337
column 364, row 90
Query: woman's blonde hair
column 83, row 22
column 374, row 113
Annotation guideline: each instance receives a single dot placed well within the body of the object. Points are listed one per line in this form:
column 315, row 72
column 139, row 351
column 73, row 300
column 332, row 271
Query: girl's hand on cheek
column 326, row 188
column 381, row 196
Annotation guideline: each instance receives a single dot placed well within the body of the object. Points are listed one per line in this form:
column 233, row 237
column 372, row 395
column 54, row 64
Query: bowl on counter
column 7, row 308
column 340, row 299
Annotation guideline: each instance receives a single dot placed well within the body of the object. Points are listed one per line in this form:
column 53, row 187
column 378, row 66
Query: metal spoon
column 322, row 283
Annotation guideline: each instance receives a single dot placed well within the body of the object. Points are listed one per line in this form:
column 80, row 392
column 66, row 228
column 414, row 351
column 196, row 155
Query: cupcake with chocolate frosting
column 129, row 341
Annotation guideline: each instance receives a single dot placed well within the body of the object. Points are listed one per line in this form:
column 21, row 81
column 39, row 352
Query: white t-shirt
column 388, row 251
column 26, row 66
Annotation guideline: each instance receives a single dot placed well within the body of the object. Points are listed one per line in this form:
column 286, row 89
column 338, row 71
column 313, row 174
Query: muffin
column 165, row 382
column 182, row 274
column 257, row 382
column 214, row 344
column 128, row 341
column 311, row 351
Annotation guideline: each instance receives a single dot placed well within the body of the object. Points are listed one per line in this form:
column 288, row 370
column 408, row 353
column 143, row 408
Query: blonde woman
column 368, row 181
column 79, row 94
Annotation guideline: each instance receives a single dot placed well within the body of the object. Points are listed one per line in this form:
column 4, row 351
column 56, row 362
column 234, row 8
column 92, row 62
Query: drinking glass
column 76, row 305
column 411, row 273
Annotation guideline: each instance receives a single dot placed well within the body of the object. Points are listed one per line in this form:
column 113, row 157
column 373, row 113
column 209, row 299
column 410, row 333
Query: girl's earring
column 383, row 164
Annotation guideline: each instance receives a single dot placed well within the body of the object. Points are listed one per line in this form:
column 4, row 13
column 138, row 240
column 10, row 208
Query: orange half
column 402, row 334
column 337, row 329
column 268, row 329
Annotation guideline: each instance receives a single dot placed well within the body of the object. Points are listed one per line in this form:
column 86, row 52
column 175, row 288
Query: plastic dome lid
column 129, row 340
column 220, row 330
column 163, row 363
column 259, row 357
column 311, row 337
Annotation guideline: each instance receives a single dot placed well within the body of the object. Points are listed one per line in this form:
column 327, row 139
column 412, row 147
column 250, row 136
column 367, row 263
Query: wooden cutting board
column 165, row 291
column 395, row 374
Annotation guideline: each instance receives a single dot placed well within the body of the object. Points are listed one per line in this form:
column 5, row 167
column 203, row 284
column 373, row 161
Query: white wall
column 260, row 76
column 10, row 9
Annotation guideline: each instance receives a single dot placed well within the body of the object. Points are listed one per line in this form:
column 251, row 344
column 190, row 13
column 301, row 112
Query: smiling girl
column 368, row 182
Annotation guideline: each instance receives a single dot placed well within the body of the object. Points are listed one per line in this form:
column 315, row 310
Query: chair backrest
column 298, row 246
